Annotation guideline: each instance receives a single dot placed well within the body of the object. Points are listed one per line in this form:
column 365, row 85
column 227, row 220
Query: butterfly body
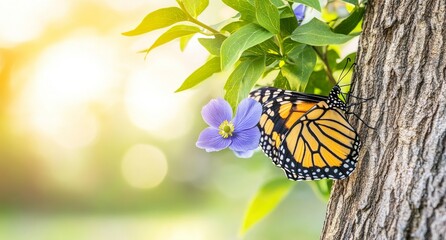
column 307, row 135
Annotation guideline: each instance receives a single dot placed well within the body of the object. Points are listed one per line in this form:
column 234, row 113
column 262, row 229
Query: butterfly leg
column 360, row 119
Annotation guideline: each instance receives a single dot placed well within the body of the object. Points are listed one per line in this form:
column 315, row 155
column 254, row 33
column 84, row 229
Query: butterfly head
column 336, row 89
column 333, row 99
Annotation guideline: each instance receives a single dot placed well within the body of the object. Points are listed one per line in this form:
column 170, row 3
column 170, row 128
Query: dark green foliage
column 265, row 30
column 350, row 23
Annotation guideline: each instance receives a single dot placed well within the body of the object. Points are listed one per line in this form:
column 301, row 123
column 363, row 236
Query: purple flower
column 299, row 12
column 240, row 134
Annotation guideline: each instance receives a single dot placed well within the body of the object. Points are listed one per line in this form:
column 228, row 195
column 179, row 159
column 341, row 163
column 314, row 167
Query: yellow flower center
column 226, row 129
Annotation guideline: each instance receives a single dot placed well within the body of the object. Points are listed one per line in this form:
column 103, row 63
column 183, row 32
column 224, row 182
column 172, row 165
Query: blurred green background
column 94, row 144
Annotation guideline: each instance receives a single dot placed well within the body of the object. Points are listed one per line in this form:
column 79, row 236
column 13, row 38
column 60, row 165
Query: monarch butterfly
column 307, row 135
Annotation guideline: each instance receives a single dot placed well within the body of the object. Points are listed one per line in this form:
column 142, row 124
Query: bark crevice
column 398, row 189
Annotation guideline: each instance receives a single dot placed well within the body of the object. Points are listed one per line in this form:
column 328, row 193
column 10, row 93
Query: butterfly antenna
column 342, row 72
column 342, row 76
column 344, row 98
column 350, row 68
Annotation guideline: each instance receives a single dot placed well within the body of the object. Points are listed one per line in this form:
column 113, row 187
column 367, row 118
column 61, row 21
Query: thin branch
column 196, row 21
column 326, row 66
column 280, row 44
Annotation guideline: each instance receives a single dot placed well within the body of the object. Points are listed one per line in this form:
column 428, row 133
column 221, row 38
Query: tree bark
column 398, row 189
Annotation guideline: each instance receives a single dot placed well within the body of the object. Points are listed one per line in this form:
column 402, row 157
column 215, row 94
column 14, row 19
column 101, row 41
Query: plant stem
column 196, row 21
column 280, row 43
column 326, row 65
column 214, row 31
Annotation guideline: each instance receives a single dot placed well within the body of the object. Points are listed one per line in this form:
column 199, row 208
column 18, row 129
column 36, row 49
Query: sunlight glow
column 23, row 20
column 151, row 102
column 66, row 169
column 144, row 166
column 185, row 228
column 73, row 129
column 70, row 76
column 2, row 63
column 125, row 5
column 74, row 71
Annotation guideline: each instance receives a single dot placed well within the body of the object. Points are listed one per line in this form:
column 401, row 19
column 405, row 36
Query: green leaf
column 242, row 79
column 281, row 82
column 348, row 24
column 271, row 65
column 233, row 26
column 173, row 33
column 267, row 47
column 266, row 199
column 271, row 62
column 246, row 37
column 202, row 73
column 319, row 83
column 322, row 188
column 267, row 15
column 287, row 12
column 278, row 3
column 342, row 64
column 244, row 7
column 160, row 18
column 184, row 40
column 299, row 71
column 332, row 57
column 311, row 3
column 195, row 7
column 293, row 48
column 213, row 45
column 318, row 33
column 354, row 2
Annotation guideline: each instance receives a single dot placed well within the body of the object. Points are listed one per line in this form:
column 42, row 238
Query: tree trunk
column 398, row 189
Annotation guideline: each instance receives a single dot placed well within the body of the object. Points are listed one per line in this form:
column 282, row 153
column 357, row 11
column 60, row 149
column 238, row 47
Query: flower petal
column 245, row 154
column 216, row 111
column 211, row 141
column 299, row 12
column 245, row 140
column 248, row 114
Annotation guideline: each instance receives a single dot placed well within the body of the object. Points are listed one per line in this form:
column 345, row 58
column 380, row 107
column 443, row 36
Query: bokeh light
column 23, row 20
column 144, row 166
column 66, row 79
column 151, row 102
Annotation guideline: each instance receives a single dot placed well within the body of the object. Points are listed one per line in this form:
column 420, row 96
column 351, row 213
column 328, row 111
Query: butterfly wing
column 281, row 109
column 321, row 144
